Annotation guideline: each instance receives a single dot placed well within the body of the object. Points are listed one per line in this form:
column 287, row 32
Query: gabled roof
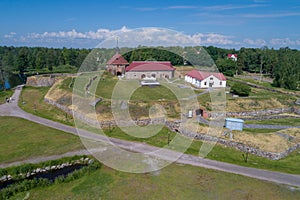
column 200, row 75
column 150, row 66
column 117, row 59
column 232, row 55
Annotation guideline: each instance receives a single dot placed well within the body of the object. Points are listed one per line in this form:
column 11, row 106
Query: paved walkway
column 12, row 109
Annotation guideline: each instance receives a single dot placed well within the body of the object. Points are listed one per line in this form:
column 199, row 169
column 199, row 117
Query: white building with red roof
column 147, row 69
column 201, row 79
column 117, row 64
column 233, row 57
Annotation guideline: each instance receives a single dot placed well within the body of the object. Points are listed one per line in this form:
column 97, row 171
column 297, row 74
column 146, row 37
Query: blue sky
column 223, row 23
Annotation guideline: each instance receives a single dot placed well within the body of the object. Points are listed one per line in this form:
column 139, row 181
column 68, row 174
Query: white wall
column 214, row 81
column 158, row 74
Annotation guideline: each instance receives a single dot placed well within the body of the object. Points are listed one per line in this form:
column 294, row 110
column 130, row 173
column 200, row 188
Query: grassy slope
column 22, row 139
column 173, row 182
column 33, row 97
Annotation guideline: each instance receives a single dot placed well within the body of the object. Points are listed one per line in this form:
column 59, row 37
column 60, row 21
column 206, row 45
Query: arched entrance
column 143, row 76
column 119, row 73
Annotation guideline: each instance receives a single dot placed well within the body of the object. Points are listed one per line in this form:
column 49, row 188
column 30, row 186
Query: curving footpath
column 12, row 109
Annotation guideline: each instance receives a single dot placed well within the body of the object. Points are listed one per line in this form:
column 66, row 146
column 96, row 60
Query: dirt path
column 12, row 109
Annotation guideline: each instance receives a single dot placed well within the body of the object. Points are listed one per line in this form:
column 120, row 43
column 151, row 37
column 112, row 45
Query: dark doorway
column 119, row 73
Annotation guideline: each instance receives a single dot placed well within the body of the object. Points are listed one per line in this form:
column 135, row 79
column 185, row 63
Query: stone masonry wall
column 175, row 126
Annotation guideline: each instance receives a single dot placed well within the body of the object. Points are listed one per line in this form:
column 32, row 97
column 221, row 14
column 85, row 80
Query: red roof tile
column 117, row 59
column 199, row 75
column 232, row 55
column 150, row 66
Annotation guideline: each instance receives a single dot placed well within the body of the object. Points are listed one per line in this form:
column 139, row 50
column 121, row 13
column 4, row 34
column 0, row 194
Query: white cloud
column 216, row 39
column 10, row 35
column 151, row 36
column 284, row 42
column 255, row 42
column 73, row 34
column 132, row 37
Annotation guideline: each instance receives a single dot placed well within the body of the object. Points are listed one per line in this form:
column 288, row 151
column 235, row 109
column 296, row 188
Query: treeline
column 37, row 58
column 281, row 64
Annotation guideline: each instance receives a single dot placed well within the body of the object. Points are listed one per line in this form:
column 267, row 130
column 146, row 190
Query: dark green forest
column 281, row 64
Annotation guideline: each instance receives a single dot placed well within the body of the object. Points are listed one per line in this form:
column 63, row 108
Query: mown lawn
column 22, row 139
column 176, row 181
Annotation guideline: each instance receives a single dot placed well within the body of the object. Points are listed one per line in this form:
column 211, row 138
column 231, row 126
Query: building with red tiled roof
column 203, row 79
column 232, row 57
column 117, row 64
column 155, row 69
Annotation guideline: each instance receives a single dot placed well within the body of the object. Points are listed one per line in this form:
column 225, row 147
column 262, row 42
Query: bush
column 240, row 89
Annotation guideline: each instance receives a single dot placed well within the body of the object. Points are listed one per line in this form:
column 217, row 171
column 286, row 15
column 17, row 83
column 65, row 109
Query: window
column 220, row 82
column 211, row 78
column 204, row 83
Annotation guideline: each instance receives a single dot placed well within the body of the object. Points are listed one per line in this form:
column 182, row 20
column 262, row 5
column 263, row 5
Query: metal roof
column 234, row 120
column 150, row 66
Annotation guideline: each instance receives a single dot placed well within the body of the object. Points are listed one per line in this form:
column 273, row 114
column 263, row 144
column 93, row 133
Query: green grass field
column 107, row 85
column 259, row 130
column 283, row 121
column 173, row 182
column 22, row 139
